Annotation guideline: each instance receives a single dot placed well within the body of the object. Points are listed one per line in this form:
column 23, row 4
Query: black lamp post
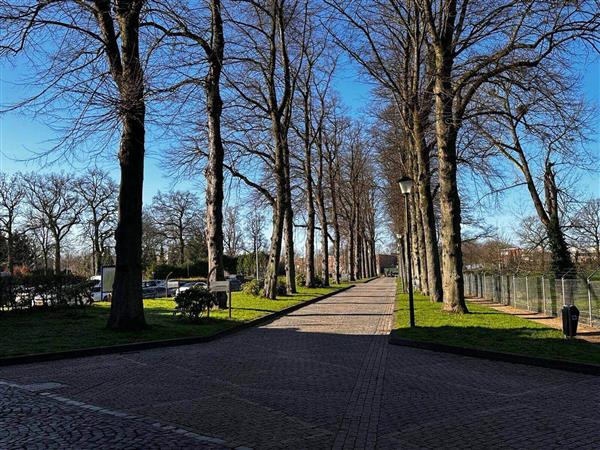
column 406, row 185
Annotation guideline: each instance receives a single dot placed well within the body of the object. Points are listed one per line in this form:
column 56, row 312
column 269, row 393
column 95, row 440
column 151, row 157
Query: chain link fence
column 542, row 294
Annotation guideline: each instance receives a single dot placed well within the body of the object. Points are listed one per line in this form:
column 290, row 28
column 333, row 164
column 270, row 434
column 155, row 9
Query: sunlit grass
column 488, row 329
column 57, row 330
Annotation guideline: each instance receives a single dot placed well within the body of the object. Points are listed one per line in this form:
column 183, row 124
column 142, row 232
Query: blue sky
column 21, row 134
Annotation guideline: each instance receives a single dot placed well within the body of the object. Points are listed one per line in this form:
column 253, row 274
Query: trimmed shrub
column 318, row 281
column 253, row 287
column 300, row 279
column 193, row 270
column 281, row 287
column 194, row 303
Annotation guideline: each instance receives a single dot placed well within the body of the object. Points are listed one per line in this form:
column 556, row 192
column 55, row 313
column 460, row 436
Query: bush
column 253, row 287
column 193, row 270
column 300, row 279
column 33, row 290
column 194, row 302
column 318, row 281
column 281, row 287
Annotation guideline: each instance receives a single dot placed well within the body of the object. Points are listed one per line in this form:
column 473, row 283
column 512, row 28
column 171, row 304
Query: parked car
column 185, row 286
column 153, row 283
column 99, row 296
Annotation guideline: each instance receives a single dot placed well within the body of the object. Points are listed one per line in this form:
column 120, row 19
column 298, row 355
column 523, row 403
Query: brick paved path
column 321, row 377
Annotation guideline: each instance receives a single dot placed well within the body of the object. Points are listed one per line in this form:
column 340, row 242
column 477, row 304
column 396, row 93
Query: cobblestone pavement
column 322, row 377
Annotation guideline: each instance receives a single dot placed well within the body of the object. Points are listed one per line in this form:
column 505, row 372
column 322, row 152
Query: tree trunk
column 336, row 228
column 275, row 250
column 310, row 233
column 56, row 255
column 279, row 212
column 290, row 267
column 562, row 264
column 414, row 245
column 422, row 249
column 127, row 307
column 9, row 250
column 324, row 227
column 452, row 263
column 351, row 244
column 216, row 154
column 427, row 212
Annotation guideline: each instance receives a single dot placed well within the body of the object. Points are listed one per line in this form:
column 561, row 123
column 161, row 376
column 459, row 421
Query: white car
column 185, row 286
column 99, row 296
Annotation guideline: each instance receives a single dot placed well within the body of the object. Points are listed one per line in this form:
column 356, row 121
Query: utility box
column 570, row 319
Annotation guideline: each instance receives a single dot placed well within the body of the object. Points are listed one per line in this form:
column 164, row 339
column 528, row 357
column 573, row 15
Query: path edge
column 514, row 358
column 137, row 346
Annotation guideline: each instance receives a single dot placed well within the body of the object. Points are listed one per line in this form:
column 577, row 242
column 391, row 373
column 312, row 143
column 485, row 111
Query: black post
column 411, row 305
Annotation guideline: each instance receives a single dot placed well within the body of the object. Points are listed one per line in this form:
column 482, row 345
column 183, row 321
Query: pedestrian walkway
column 322, row 377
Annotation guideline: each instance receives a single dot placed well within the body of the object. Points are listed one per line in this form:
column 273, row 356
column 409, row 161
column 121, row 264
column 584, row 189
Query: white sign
column 107, row 275
column 219, row 286
column 174, row 284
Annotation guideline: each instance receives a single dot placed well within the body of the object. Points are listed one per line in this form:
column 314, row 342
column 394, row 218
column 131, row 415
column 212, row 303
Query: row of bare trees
column 466, row 83
column 239, row 89
column 242, row 90
column 45, row 212
column 48, row 209
column 529, row 251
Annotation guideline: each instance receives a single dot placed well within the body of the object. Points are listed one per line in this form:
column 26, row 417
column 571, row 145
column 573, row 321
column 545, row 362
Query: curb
column 589, row 369
column 136, row 346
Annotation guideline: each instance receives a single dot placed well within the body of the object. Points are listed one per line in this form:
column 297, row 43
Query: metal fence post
column 483, row 286
column 527, row 292
column 563, row 289
column 514, row 291
column 544, row 293
column 589, row 289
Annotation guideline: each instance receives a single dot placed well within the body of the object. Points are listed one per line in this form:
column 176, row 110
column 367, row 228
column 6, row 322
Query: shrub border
column 136, row 346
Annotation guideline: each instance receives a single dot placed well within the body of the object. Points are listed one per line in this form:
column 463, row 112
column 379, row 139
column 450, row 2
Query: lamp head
column 405, row 184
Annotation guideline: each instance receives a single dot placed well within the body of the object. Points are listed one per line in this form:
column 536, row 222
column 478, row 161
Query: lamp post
column 406, row 185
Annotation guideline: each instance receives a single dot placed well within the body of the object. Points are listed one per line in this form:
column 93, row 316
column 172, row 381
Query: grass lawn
column 488, row 329
column 50, row 331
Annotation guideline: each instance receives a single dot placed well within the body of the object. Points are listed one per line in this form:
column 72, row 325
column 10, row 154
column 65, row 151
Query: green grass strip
column 488, row 329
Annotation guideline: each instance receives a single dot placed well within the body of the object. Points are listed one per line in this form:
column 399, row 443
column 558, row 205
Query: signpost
column 107, row 278
column 222, row 286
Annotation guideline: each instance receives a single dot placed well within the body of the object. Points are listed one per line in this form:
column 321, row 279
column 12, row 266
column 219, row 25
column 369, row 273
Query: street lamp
column 406, row 185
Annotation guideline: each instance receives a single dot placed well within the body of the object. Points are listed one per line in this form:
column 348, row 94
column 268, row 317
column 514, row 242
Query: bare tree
column 99, row 68
column 473, row 43
column 388, row 39
column 55, row 205
column 265, row 82
column 189, row 30
column 255, row 226
column 532, row 118
column 99, row 195
column 586, row 227
column 232, row 231
column 12, row 195
column 174, row 215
